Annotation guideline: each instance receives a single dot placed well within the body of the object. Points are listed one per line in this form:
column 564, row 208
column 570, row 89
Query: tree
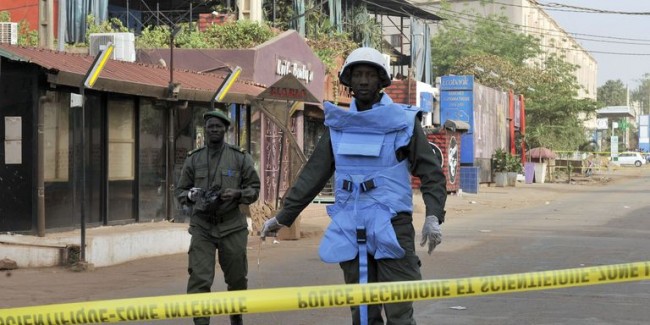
column 485, row 36
column 612, row 93
column 362, row 27
column 499, row 56
column 553, row 111
column 278, row 13
column 324, row 39
column 641, row 95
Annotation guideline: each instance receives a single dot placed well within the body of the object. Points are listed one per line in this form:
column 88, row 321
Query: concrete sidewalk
column 104, row 245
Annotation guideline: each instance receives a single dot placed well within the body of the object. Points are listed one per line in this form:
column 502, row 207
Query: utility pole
column 45, row 24
column 62, row 25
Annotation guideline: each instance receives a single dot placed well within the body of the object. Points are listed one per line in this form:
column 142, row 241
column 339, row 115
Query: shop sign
column 301, row 71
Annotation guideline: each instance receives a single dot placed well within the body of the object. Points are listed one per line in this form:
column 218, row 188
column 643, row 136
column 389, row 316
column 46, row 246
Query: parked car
column 630, row 158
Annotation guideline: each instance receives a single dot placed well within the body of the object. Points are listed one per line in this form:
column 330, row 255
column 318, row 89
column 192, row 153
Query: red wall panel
column 27, row 10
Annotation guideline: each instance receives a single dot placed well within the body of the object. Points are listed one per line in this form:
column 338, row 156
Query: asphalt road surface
column 574, row 226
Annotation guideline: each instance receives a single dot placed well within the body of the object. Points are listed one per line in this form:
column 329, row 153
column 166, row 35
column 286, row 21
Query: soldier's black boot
column 236, row 320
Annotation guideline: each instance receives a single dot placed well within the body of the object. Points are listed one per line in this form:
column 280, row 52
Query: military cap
column 218, row 114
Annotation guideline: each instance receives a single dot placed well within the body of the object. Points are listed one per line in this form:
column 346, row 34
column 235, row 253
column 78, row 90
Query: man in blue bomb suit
column 373, row 149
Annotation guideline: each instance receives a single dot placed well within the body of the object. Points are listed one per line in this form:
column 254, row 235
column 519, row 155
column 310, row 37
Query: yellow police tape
column 298, row 298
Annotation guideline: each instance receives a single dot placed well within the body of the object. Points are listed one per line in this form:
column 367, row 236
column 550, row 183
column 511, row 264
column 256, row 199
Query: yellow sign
column 98, row 66
column 302, row 298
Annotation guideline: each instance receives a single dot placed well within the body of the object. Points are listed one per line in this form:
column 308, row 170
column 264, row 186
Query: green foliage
column 612, row 93
column 323, row 38
column 500, row 160
column 26, row 36
column 503, row 161
column 239, row 34
column 552, row 110
column 363, row 28
column 283, row 13
column 501, row 74
column 5, row 17
column 231, row 35
column 153, row 37
column 513, row 163
column 190, row 38
column 112, row 25
column 484, row 36
column 642, row 93
column 501, row 57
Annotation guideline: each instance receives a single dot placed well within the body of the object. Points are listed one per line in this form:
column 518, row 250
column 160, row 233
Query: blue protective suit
column 371, row 185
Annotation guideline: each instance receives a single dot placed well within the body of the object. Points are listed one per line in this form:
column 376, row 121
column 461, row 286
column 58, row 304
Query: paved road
column 582, row 226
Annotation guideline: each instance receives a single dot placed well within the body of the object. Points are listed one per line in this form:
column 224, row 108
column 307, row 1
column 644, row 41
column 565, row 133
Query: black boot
column 236, row 320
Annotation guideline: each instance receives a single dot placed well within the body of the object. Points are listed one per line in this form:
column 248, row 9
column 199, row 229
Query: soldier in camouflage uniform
column 215, row 180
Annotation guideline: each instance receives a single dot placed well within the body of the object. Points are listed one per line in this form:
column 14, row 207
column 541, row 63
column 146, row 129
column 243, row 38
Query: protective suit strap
column 363, row 269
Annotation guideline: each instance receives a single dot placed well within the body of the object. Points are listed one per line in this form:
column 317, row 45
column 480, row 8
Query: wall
column 27, row 10
column 403, row 91
column 490, row 121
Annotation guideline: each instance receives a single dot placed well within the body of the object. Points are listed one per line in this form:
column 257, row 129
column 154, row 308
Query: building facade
column 127, row 127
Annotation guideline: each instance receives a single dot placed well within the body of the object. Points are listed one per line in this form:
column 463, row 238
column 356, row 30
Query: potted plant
column 500, row 167
column 513, row 167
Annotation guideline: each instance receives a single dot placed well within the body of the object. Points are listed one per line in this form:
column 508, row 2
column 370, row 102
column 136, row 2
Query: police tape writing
column 297, row 298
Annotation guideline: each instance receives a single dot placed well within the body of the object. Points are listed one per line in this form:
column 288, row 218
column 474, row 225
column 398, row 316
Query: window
column 121, row 140
column 396, row 40
column 56, row 137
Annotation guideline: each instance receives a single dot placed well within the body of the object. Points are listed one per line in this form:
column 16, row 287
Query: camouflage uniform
column 224, row 232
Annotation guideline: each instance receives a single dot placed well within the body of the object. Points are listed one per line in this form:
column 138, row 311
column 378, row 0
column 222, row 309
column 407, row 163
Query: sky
column 610, row 31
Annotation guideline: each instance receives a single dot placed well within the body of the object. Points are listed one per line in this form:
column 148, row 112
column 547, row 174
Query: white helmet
column 365, row 55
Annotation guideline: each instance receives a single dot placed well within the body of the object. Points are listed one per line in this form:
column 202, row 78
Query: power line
column 593, row 10
column 570, row 48
column 545, row 31
column 553, row 32
column 552, row 6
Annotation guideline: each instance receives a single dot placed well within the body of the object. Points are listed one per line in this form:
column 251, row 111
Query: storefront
column 135, row 135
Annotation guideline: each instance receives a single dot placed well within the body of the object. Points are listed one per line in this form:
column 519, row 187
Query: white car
column 630, row 158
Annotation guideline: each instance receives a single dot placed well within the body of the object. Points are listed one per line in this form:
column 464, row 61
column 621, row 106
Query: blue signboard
column 644, row 133
column 457, row 103
column 426, row 102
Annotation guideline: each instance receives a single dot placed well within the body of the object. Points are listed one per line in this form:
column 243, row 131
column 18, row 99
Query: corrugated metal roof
column 130, row 78
column 400, row 8
column 616, row 110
